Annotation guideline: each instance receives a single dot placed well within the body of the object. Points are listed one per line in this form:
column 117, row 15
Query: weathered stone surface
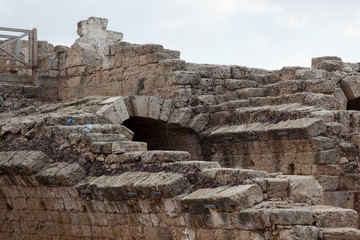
column 23, row 162
column 340, row 233
column 224, row 198
column 61, row 174
column 235, row 175
column 93, row 32
column 100, row 137
column 327, row 63
column 114, row 109
column 334, row 217
column 304, row 189
column 300, row 232
column 128, row 146
column 202, row 165
column 140, row 105
column 351, row 86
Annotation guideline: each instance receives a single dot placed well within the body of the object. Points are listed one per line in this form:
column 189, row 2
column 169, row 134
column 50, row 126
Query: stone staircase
column 258, row 204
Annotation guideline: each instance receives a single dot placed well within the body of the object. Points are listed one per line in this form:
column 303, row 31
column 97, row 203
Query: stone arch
column 155, row 121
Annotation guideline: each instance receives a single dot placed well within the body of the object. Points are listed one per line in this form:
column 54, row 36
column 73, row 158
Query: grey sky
column 255, row 33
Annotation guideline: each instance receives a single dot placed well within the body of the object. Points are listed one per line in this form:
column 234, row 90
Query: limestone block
column 351, row 87
column 251, row 92
column 351, row 182
column 93, row 31
column 307, row 74
column 304, row 189
column 199, row 122
column 240, row 72
column 156, row 156
column 299, row 232
column 129, row 157
column 145, row 49
column 327, row 63
column 152, row 58
column 343, row 199
column 181, row 116
column 144, row 184
column 61, row 173
column 248, row 219
column 287, row 216
column 114, row 109
column 225, row 199
column 277, row 188
column 101, row 147
column 320, row 86
column 233, row 84
column 100, row 137
column 155, row 105
column 340, row 233
column 82, row 54
column 327, row 216
column 202, row 165
column 170, row 65
column 23, row 162
column 166, row 110
column 140, row 105
column 128, row 146
column 330, row 156
column 232, row 174
column 184, row 78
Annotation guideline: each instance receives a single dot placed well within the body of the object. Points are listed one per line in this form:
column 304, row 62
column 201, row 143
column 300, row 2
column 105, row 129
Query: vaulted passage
column 353, row 104
column 162, row 136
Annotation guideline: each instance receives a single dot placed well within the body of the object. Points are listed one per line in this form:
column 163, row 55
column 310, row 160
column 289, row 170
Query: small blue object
column 70, row 121
column 1, row 99
column 86, row 129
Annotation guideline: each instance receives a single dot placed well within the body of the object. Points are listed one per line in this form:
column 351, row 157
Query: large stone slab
column 224, row 199
column 153, row 156
column 61, row 173
column 23, row 162
column 128, row 146
column 232, row 174
column 101, row 137
column 136, row 184
column 340, row 233
column 114, row 109
column 351, row 87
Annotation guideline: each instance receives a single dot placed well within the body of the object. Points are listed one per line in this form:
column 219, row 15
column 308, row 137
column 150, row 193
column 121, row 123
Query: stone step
column 339, row 234
column 223, row 199
column 153, row 156
column 202, row 165
column 117, row 147
column 324, row 101
column 22, row 162
column 303, row 128
column 61, row 174
column 102, row 137
column 264, row 114
column 65, row 130
column 80, row 118
column 232, row 174
column 134, row 184
column 289, row 214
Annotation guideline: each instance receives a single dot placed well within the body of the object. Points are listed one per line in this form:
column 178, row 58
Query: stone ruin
column 113, row 140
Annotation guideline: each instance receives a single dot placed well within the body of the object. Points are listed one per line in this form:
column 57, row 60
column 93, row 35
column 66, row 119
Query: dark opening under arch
column 160, row 135
column 353, row 104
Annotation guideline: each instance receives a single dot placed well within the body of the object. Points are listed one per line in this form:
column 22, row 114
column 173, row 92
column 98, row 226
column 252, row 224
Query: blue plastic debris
column 86, row 129
column 70, row 121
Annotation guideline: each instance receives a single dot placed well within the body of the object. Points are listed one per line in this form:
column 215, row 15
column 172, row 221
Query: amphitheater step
column 202, row 165
column 61, row 174
column 117, row 147
column 64, row 130
column 223, row 199
column 22, row 162
column 153, row 156
column 339, row 234
column 134, row 184
column 232, row 174
column 102, row 137
column 302, row 128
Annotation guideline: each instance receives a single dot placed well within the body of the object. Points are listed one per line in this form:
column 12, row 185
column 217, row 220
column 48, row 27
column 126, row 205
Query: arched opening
column 353, row 104
column 162, row 136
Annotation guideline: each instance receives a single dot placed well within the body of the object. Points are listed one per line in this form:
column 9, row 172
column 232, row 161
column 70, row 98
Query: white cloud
column 291, row 21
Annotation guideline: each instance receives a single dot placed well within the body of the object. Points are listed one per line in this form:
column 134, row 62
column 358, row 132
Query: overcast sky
column 255, row 33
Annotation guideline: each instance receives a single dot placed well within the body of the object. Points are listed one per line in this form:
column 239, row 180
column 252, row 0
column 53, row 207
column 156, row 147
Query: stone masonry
column 112, row 140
